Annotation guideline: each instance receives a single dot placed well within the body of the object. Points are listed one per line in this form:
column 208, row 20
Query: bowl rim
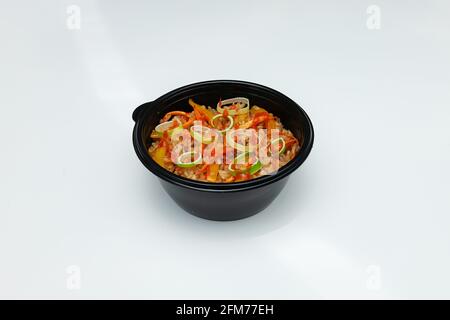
column 141, row 112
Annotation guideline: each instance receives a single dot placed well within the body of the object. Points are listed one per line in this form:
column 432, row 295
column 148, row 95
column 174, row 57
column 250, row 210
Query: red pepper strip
column 201, row 111
column 174, row 125
column 188, row 123
column 198, row 115
column 289, row 142
column 164, row 142
column 243, row 176
column 174, row 113
column 202, row 169
column 236, row 122
column 259, row 119
column 260, row 113
column 261, row 116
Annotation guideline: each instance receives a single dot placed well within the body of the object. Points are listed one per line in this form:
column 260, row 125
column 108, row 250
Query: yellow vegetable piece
column 213, row 170
column 158, row 155
column 256, row 109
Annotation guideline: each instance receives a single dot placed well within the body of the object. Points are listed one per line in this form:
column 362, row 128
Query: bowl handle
column 138, row 111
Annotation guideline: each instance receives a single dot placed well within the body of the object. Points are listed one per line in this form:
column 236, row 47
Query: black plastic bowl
column 222, row 201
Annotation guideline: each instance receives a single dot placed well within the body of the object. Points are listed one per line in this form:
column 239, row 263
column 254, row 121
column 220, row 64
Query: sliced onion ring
column 255, row 167
column 222, row 116
column 198, row 135
column 189, row 164
column 160, row 128
column 230, row 140
column 283, row 145
column 225, row 104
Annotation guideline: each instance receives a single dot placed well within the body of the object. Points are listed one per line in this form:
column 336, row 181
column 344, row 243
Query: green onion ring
column 199, row 136
column 255, row 167
column 160, row 128
column 190, row 164
column 236, row 145
column 283, row 144
column 220, row 116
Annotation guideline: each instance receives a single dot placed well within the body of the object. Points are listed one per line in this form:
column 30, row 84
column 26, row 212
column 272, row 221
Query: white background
column 366, row 216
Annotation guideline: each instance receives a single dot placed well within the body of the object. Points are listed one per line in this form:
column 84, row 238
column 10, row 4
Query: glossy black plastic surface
column 222, row 201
